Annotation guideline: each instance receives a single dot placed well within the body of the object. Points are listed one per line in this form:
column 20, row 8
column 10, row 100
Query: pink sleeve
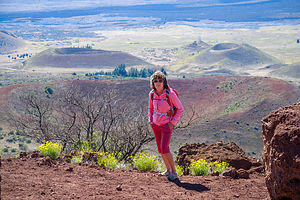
column 176, row 102
column 150, row 112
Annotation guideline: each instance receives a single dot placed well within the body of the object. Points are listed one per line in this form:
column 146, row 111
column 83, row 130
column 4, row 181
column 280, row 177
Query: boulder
column 241, row 173
column 220, row 151
column 231, row 172
column 281, row 154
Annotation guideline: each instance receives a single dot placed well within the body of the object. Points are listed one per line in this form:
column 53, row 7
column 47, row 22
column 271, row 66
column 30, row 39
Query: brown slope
column 230, row 108
column 84, row 58
column 9, row 42
column 234, row 55
column 287, row 71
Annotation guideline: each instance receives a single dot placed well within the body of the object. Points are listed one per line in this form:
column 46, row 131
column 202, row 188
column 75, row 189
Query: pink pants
column 162, row 136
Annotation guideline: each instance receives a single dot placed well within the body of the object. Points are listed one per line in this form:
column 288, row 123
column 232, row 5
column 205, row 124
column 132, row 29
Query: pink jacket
column 159, row 108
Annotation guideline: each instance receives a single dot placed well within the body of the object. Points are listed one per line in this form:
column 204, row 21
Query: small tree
column 48, row 90
column 133, row 72
column 120, row 71
column 163, row 71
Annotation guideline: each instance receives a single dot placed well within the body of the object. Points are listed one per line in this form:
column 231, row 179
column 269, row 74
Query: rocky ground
column 40, row 178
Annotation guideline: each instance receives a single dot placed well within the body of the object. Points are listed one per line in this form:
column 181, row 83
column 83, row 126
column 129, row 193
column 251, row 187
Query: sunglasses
column 155, row 81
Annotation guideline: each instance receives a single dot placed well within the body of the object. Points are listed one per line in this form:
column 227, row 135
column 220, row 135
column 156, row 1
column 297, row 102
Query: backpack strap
column 152, row 94
column 172, row 107
column 168, row 97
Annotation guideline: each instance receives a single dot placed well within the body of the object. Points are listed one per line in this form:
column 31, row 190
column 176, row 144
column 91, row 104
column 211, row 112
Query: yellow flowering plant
column 203, row 168
column 145, row 162
column 179, row 170
column 199, row 167
column 219, row 166
column 50, row 149
column 107, row 160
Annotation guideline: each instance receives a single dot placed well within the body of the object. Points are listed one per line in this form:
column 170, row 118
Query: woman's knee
column 165, row 149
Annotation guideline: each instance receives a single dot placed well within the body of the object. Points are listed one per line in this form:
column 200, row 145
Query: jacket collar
column 164, row 91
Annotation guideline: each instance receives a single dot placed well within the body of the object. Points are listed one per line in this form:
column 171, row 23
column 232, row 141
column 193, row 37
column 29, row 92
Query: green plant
column 145, row 162
column 13, row 150
column 203, row 168
column 107, row 160
column 199, row 167
column 179, row 170
column 11, row 133
column 219, row 166
column 5, row 149
column 23, row 147
column 78, row 157
column 50, row 149
column 10, row 140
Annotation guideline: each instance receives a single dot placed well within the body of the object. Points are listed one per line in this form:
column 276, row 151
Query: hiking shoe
column 165, row 173
column 173, row 176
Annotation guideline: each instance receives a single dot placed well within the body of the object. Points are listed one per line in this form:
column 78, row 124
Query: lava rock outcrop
column 220, row 151
column 281, row 155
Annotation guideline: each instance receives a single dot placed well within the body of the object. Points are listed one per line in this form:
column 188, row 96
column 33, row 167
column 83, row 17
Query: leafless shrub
column 77, row 117
column 80, row 117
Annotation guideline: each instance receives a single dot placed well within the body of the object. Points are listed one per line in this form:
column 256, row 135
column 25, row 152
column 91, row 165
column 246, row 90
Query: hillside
column 83, row 58
column 234, row 55
column 9, row 42
column 222, row 59
column 287, row 71
column 229, row 108
column 196, row 46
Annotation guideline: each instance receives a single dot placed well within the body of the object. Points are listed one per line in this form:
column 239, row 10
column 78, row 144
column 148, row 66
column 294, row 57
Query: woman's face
column 158, row 83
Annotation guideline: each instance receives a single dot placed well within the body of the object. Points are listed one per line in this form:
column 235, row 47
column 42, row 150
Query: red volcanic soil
column 5, row 93
column 33, row 178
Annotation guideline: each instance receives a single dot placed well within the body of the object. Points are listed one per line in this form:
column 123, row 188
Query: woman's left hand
column 170, row 125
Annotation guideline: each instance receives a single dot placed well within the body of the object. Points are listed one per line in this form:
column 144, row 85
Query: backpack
column 172, row 112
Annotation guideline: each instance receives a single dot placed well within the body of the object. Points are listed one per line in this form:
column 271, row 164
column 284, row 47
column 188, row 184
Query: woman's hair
column 158, row 75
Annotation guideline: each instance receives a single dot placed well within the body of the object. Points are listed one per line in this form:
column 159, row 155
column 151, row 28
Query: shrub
column 219, row 166
column 202, row 168
column 179, row 170
column 145, row 162
column 11, row 133
column 5, row 149
column 107, row 160
column 78, row 157
column 28, row 141
column 13, row 150
column 50, row 149
column 10, row 140
column 23, row 147
column 199, row 167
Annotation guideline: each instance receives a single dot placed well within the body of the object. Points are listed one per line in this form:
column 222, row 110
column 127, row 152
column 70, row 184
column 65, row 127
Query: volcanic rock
column 220, row 151
column 241, row 173
column 281, row 155
column 231, row 172
column 46, row 161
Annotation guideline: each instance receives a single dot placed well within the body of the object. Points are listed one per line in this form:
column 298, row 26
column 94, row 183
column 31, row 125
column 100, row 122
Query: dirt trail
column 27, row 178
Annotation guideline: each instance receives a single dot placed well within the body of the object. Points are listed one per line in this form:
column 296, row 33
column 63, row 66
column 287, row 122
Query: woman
column 162, row 99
